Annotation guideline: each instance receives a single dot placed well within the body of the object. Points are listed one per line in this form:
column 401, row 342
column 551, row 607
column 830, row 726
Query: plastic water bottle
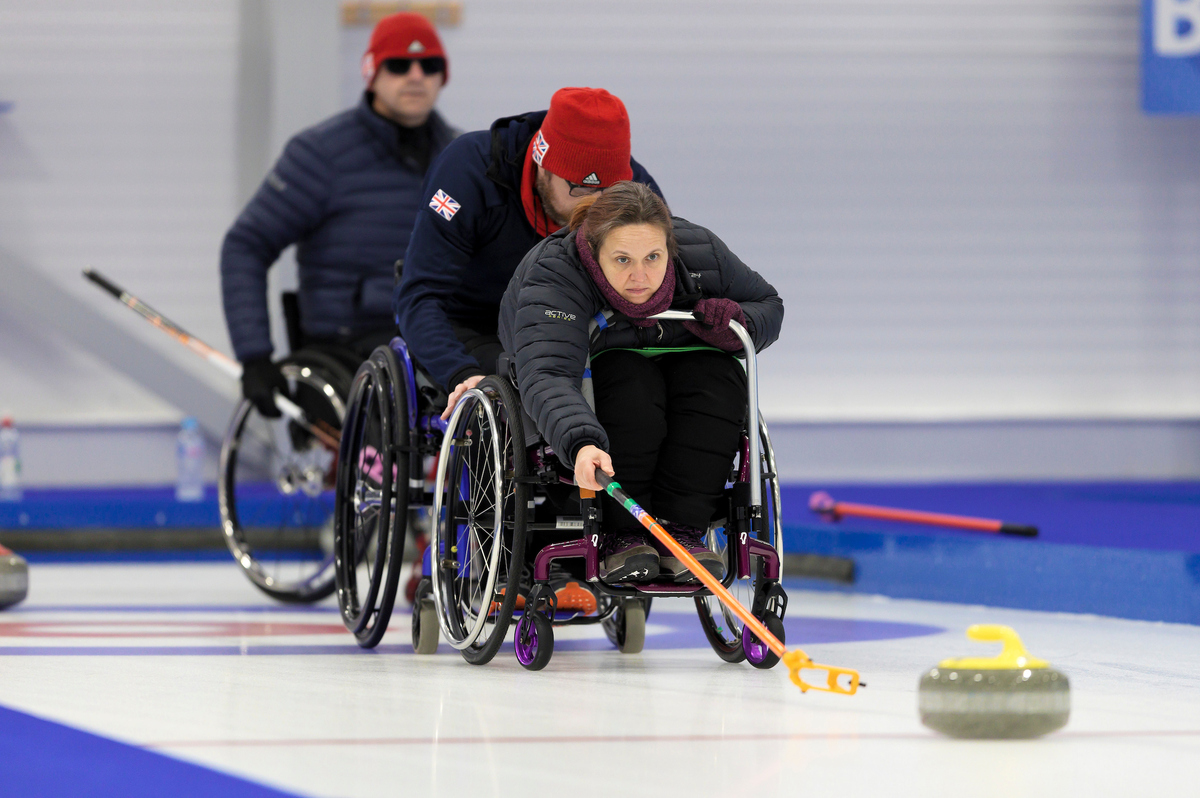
column 189, row 460
column 10, row 461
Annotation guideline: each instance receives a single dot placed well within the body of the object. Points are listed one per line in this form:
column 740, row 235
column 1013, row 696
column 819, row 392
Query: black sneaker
column 693, row 540
column 627, row 557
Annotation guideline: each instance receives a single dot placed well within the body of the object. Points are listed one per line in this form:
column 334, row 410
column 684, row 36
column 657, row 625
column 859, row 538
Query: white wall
column 136, row 131
column 119, row 151
column 961, row 203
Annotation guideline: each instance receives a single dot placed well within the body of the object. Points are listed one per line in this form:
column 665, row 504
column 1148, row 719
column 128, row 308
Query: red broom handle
column 824, row 505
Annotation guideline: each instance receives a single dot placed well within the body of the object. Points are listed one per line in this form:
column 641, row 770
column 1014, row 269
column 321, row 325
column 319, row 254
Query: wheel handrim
column 273, row 492
column 481, row 478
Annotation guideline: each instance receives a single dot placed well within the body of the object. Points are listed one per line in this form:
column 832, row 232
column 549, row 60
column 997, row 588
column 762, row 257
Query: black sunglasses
column 580, row 190
column 430, row 66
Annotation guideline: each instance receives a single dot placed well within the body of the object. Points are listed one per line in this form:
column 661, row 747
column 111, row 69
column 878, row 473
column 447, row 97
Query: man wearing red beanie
column 489, row 198
column 346, row 192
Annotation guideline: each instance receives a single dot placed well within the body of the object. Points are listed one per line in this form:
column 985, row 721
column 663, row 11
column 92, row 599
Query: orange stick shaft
column 713, row 584
column 708, row 580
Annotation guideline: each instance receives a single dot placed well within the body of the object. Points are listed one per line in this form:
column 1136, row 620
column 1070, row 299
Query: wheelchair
column 504, row 512
column 277, row 477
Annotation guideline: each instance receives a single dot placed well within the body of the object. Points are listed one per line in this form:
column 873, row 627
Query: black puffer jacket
column 551, row 300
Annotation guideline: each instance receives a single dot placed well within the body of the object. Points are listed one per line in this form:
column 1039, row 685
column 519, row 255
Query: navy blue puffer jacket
column 346, row 193
column 459, row 261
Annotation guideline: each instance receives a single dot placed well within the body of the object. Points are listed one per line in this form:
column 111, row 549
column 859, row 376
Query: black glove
column 260, row 380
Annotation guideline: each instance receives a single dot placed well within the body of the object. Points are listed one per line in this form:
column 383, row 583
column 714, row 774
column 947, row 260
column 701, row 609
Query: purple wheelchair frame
column 423, row 423
column 744, row 526
column 420, row 423
column 744, row 538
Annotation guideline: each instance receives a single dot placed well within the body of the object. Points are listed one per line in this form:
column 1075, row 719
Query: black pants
column 674, row 424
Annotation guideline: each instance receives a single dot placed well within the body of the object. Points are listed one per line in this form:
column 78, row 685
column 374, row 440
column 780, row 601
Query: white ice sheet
column 594, row 722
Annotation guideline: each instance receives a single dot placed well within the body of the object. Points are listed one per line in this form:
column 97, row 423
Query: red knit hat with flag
column 403, row 35
column 585, row 138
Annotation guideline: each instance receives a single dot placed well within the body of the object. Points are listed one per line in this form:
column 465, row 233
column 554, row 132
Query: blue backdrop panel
column 1007, row 572
column 1171, row 56
column 1162, row 516
column 1125, row 550
column 143, row 508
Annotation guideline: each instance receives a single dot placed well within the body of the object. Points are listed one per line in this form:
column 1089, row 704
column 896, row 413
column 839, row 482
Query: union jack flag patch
column 444, row 204
column 539, row 148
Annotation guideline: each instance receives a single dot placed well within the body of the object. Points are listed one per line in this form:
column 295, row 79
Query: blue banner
column 1171, row 56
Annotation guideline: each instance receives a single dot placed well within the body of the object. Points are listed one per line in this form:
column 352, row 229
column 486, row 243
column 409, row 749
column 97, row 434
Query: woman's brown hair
column 619, row 205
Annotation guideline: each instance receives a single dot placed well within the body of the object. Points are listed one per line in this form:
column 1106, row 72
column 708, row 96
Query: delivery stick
column 221, row 361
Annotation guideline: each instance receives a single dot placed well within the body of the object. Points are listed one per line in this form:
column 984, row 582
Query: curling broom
column 823, row 505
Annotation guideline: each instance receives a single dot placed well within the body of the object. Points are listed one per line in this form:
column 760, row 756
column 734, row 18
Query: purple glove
column 712, row 324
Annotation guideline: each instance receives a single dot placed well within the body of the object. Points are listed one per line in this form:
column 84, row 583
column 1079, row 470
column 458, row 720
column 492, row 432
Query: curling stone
column 1010, row 697
column 14, row 578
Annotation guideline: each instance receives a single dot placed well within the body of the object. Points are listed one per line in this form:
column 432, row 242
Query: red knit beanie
column 403, row 35
column 585, row 138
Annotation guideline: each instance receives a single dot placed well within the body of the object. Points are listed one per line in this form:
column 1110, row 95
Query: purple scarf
column 658, row 302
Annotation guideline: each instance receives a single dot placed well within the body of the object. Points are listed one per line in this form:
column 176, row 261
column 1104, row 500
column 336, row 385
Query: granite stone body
column 994, row 703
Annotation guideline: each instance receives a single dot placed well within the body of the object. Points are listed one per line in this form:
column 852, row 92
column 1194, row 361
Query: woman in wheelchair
column 669, row 399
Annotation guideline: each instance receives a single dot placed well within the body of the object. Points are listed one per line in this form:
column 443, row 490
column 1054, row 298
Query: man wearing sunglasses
column 346, row 192
column 489, row 198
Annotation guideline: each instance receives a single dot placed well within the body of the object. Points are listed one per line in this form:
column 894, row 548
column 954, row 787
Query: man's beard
column 542, row 185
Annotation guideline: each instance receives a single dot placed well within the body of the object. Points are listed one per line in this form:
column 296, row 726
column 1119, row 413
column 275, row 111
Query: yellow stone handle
column 1011, row 657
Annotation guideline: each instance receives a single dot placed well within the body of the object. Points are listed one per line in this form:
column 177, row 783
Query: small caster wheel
column 425, row 627
column 758, row 653
column 413, row 586
column 626, row 627
column 534, row 641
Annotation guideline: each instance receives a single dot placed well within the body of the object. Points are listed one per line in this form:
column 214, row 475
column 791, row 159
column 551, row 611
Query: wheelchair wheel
column 534, row 641
column 480, row 504
column 626, row 627
column 277, row 481
column 372, row 497
column 722, row 628
column 424, row 621
column 756, row 651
